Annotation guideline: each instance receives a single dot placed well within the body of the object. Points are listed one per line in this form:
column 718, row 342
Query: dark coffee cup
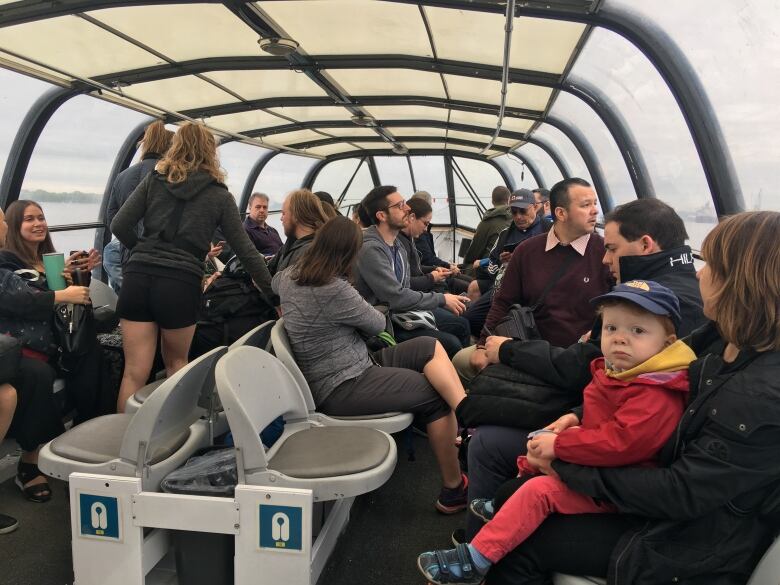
column 81, row 277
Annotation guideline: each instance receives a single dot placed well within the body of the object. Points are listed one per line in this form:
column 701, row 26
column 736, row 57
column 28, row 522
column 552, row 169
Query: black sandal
column 39, row 492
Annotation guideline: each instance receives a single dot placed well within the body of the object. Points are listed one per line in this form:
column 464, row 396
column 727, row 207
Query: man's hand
column 542, row 446
column 454, row 269
column 216, row 250
column 492, row 345
column 567, row 420
column 478, row 359
column 504, row 257
column 454, row 304
column 476, row 263
column 438, row 275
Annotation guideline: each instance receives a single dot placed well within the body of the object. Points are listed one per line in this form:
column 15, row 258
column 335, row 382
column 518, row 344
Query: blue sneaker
column 482, row 508
column 450, row 567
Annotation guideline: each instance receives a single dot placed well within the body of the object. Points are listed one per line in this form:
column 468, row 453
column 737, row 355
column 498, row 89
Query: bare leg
column 441, row 435
column 7, row 408
column 443, row 377
column 139, row 340
column 176, row 347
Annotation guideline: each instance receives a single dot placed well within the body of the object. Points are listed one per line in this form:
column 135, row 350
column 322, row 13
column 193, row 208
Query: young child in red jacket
column 631, row 407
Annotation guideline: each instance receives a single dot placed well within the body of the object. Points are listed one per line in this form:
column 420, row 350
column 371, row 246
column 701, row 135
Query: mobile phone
column 509, row 248
column 532, row 434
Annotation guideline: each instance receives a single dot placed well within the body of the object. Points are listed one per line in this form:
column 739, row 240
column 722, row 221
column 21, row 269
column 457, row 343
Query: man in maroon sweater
column 566, row 312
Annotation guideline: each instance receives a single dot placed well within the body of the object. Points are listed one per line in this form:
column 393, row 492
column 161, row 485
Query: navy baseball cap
column 649, row 295
column 521, row 198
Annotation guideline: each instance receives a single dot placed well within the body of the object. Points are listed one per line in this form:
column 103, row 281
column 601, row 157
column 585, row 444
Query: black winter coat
column 707, row 503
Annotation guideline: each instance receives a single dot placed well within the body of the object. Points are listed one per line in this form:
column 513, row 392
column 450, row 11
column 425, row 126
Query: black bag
column 501, row 395
column 230, row 307
column 74, row 326
column 10, row 354
column 519, row 322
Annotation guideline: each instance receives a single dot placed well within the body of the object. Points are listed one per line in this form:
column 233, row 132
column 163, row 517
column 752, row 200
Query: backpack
column 230, row 307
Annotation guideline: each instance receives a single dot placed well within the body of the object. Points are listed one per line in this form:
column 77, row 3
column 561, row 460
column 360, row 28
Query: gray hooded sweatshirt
column 375, row 278
column 208, row 205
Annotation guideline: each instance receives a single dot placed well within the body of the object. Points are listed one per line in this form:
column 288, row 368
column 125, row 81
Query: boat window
column 237, row 160
column 646, row 103
column 429, row 176
column 739, row 67
column 282, row 174
column 394, row 170
column 19, row 93
column 543, row 162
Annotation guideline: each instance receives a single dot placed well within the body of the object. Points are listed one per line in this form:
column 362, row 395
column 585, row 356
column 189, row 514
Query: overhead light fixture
column 278, row 46
column 399, row 148
column 362, row 120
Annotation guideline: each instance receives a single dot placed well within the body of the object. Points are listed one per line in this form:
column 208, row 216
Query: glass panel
column 72, row 240
column 333, row 176
column 394, row 170
column 360, row 186
column 467, row 215
column 577, row 114
column 446, row 242
column 71, row 163
column 18, row 93
column 520, row 174
column 648, row 106
column 544, row 163
column 483, row 178
column 282, row 174
column 237, row 159
column 429, row 176
column 566, row 150
column 740, row 70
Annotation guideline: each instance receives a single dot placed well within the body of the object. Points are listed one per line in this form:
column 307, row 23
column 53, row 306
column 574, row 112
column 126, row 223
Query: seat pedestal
column 272, row 529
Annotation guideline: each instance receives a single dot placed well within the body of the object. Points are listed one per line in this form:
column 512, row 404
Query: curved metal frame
column 25, row 140
column 589, row 157
column 251, row 178
column 553, row 153
column 609, row 114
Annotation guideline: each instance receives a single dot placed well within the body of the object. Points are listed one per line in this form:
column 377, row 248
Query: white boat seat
column 329, row 452
column 389, row 422
column 144, row 393
column 333, row 462
column 99, row 440
column 150, row 443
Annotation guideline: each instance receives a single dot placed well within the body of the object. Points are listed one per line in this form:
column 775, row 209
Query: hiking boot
column 482, row 508
column 8, row 524
column 452, row 500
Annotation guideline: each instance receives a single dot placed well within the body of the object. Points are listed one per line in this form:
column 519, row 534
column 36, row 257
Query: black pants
column 579, row 544
column 36, row 418
column 83, row 385
column 477, row 312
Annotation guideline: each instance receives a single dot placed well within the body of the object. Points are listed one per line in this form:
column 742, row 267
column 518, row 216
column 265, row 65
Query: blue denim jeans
column 112, row 263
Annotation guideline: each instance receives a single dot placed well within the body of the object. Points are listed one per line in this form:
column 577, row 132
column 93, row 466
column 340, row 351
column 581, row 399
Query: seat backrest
column 102, row 295
column 282, row 349
column 257, row 337
column 255, row 388
column 171, row 409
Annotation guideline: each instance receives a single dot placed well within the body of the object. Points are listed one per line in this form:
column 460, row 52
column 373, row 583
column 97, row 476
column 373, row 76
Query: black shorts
column 170, row 303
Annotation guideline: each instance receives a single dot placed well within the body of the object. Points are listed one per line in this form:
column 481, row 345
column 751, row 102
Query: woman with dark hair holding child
column 326, row 320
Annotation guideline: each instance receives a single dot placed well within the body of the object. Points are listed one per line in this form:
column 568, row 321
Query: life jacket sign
column 281, row 527
column 99, row 517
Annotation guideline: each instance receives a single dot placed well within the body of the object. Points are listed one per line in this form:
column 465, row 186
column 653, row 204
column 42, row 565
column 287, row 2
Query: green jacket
column 494, row 220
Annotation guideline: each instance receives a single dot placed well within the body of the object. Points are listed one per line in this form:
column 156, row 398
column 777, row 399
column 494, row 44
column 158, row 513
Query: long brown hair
column 157, row 139
column 14, row 217
column 331, row 255
column 744, row 262
column 306, row 209
column 193, row 149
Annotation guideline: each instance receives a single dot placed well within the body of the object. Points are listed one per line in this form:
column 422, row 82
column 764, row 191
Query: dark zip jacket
column 493, row 222
column 569, row 367
column 209, row 205
column 711, row 504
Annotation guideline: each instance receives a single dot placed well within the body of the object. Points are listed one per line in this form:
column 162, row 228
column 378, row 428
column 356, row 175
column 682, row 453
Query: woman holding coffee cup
column 30, row 254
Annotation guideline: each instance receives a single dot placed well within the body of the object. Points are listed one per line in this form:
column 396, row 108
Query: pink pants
column 528, row 507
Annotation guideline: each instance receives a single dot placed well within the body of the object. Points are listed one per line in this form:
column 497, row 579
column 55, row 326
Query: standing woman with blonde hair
column 181, row 204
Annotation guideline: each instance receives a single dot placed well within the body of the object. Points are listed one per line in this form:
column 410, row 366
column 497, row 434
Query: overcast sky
column 733, row 45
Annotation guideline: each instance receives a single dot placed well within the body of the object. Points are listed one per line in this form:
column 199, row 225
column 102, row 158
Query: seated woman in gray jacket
column 326, row 319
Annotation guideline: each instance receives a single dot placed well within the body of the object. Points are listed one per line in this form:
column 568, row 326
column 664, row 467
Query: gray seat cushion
column 379, row 416
column 322, row 452
column 100, row 439
column 145, row 391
